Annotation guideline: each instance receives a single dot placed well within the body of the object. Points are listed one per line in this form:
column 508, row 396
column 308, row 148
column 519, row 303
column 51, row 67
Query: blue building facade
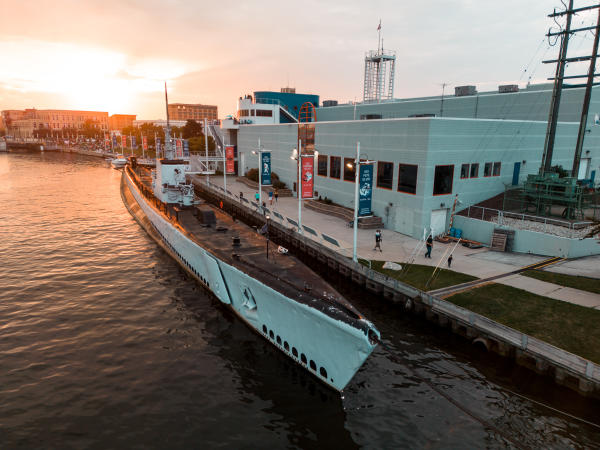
column 290, row 102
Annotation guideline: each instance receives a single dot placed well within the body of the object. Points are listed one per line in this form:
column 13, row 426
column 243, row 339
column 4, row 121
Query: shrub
column 252, row 174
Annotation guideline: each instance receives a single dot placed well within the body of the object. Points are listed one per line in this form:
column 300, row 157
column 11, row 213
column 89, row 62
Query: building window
column 243, row 113
column 385, row 175
column 487, row 170
column 349, row 169
column 464, row 171
column 335, row 163
column 264, row 113
column 474, row 171
column 322, row 165
column 407, row 178
column 442, row 181
column 496, row 169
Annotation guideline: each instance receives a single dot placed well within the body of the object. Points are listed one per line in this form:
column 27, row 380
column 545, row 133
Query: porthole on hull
column 286, row 346
column 323, row 372
column 271, row 334
column 265, row 329
column 313, row 366
column 294, row 352
column 303, row 358
column 278, row 340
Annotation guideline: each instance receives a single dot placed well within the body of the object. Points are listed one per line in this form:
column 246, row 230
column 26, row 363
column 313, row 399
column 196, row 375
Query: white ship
column 275, row 294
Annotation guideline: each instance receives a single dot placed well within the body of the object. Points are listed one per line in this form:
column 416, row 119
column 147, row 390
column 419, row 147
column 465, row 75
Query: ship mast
column 168, row 146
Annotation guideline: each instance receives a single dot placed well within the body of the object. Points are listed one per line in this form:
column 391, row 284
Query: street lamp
column 297, row 155
column 268, row 217
column 259, row 152
column 357, row 164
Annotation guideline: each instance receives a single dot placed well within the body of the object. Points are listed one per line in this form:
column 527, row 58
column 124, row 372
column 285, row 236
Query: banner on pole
column 230, row 165
column 133, row 142
column 123, row 141
column 179, row 147
column 186, row 148
column 145, row 143
column 114, row 140
column 265, row 168
column 308, row 176
column 365, row 189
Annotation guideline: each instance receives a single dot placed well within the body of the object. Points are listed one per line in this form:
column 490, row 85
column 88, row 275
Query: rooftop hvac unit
column 461, row 91
column 330, row 103
column 508, row 88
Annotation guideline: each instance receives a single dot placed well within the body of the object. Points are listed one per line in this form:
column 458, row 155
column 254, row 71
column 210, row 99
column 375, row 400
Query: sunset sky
column 114, row 55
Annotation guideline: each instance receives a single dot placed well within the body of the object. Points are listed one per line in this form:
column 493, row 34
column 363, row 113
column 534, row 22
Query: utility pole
column 556, row 93
column 558, row 84
column 586, row 102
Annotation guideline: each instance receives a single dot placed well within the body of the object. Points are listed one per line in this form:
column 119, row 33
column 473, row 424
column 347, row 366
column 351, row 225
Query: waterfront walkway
column 481, row 263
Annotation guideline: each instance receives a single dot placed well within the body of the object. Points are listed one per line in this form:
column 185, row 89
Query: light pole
column 268, row 217
column 259, row 153
column 357, row 164
column 224, row 170
column 297, row 155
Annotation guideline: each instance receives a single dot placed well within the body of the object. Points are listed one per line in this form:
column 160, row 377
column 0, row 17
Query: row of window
column 407, row 173
column 472, row 170
column 313, row 366
column 256, row 112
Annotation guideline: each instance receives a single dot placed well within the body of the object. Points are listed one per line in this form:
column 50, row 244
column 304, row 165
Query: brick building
column 185, row 111
column 119, row 121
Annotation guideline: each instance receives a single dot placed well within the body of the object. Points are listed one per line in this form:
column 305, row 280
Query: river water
column 104, row 343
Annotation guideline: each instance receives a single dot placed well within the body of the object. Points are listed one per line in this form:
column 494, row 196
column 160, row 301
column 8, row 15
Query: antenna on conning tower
column 379, row 72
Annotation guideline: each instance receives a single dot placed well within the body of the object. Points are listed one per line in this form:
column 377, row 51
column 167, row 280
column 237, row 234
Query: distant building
column 159, row 122
column 119, row 121
column 186, row 111
column 26, row 123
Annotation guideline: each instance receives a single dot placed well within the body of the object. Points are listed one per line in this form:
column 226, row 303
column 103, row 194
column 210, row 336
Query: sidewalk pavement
column 398, row 247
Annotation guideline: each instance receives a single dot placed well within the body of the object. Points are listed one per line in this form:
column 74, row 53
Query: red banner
column 308, row 173
column 124, row 141
column 229, row 157
column 145, row 143
column 179, row 146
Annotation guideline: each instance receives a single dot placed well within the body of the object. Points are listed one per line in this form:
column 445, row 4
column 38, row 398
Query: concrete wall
column 526, row 241
column 425, row 142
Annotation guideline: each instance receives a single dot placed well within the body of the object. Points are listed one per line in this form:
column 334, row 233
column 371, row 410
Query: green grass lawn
column 573, row 281
column 571, row 327
column 417, row 275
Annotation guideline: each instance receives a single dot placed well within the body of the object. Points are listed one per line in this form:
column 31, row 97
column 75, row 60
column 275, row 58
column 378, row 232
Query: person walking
column 270, row 198
column 429, row 247
column 378, row 240
column 276, row 195
column 450, row 261
column 256, row 196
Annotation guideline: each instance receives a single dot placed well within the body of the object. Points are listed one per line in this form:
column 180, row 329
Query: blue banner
column 186, row 148
column 114, row 140
column 265, row 168
column 365, row 189
column 133, row 143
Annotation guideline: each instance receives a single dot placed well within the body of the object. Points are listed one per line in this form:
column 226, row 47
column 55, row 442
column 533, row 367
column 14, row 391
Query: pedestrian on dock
column 276, row 195
column 449, row 261
column 429, row 247
column 256, row 196
column 270, row 198
column 378, row 239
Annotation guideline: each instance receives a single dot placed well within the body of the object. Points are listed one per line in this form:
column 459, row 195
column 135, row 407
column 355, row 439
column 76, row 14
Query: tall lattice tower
column 379, row 73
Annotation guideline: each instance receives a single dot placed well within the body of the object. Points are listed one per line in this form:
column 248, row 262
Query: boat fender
column 282, row 250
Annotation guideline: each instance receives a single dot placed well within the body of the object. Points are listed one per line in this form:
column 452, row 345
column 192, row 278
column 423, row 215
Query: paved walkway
column 397, row 247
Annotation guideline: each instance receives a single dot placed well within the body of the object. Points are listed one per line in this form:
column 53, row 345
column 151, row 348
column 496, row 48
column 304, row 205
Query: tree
column 192, row 129
column 197, row 144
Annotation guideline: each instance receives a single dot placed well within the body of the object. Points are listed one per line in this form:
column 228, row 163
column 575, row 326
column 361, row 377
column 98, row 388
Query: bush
column 252, row 174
